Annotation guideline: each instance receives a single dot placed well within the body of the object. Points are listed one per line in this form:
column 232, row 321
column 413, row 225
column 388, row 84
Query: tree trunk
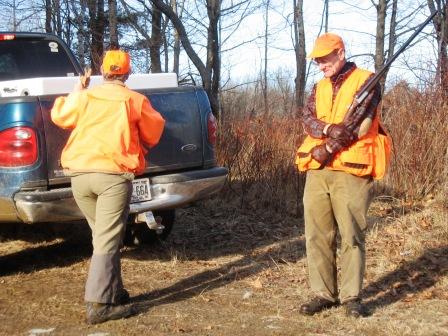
column 299, row 49
column 57, row 11
column 156, row 40
column 440, row 22
column 81, row 31
column 96, row 26
column 48, row 15
column 213, row 64
column 381, row 8
column 380, row 54
column 212, row 47
column 265, row 68
column 327, row 14
column 176, row 47
column 113, row 24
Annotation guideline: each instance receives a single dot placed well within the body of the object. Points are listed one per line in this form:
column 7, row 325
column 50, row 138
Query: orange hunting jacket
column 367, row 156
column 109, row 124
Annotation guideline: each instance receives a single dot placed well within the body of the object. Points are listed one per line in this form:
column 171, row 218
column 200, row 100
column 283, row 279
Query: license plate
column 140, row 190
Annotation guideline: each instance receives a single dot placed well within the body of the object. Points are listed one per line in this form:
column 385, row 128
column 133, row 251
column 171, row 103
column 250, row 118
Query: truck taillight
column 211, row 128
column 7, row 37
column 18, row 147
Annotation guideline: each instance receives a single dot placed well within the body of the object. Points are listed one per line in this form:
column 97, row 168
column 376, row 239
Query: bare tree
column 96, row 27
column 113, row 24
column 178, row 10
column 264, row 83
column 299, row 49
column 57, row 17
column 48, row 15
column 440, row 22
column 326, row 14
column 209, row 72
column 156, row 40
column 82, row 35
column 382, row 8
column 18, row 15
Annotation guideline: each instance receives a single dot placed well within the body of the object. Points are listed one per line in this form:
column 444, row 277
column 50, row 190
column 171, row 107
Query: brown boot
column 354, row 308
column 102, row 312
column 316, row 305
column 123, row 297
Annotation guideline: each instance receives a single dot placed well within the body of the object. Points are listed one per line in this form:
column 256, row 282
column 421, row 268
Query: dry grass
column 235, row 265
column 418, row 124
column 259, row 148
column 259, row 153
column 227, row 272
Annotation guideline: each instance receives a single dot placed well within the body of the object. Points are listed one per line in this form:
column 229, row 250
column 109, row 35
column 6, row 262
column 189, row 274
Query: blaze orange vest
column 369, row 155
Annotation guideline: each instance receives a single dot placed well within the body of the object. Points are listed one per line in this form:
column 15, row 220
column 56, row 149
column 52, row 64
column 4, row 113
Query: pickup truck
column 181, row 169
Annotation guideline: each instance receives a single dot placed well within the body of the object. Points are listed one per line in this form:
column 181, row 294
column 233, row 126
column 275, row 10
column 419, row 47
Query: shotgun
column 362, row 94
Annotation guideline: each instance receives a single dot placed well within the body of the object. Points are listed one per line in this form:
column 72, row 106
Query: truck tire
column 138, row 234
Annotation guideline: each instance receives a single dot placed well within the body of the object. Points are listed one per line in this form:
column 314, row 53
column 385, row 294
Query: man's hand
column 85, row 78
column 84, row 81
column 341, row 133
column 321, row 154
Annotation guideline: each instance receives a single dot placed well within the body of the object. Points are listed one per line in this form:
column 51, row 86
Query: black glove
column 341, row 133
column 320, row 154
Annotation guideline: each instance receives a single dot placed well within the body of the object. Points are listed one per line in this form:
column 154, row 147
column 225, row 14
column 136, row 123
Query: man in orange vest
column 341, row 155
column 110, row 125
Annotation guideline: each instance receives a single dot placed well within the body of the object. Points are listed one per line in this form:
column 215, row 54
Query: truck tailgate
column 180, row 147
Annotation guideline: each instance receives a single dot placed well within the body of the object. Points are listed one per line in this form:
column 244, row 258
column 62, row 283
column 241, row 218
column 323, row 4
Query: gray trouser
column 335, row 200
column 104, row 201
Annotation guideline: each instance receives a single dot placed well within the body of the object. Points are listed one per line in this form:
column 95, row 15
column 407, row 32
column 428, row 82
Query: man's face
column 332, row 63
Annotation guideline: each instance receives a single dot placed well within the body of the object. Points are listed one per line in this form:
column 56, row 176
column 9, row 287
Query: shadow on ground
column 199, row 234
column 51, row 245
column 411, row 277
column 242, row 268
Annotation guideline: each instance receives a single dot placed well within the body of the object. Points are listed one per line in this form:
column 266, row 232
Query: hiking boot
column 102, row 312
column 354, row 308
column 123, row 297
column 316, row 305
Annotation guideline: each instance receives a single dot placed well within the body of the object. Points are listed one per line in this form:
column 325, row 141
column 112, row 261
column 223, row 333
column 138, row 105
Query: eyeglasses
column 327, row 59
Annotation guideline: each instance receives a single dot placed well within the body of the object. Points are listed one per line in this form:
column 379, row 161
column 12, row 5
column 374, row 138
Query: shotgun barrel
column 362, row 95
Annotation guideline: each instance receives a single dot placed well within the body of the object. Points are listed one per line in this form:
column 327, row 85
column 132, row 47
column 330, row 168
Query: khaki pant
column 335, row 200
column 104, row 201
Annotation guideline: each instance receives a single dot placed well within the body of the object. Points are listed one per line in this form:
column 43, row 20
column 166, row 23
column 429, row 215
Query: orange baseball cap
column 116, row 62
column 325, row 44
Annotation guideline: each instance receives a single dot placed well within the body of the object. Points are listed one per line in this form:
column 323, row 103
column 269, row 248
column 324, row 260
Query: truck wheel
column 138, row 234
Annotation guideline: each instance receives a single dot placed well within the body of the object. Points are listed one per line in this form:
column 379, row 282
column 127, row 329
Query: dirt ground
column 225, row 271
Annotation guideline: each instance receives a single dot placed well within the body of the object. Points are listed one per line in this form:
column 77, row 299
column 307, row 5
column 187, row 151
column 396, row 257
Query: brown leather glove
column 341, row 133
column 85, row 78
column 320, row 154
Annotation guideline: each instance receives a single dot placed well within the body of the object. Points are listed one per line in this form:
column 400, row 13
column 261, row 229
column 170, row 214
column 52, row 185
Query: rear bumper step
column 168, row 192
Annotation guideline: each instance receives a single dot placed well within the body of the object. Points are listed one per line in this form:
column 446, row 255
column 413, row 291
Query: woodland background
column 259, row 117
column 235, row 264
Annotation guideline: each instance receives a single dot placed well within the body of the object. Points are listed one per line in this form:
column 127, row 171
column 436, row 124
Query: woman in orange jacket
column 341, row 163
column 110, row 126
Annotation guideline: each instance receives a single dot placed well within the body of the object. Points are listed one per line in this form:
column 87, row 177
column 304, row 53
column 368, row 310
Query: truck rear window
column 28, row 58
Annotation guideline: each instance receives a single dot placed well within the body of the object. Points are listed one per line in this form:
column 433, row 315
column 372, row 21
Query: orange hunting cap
column 116, row 62
column 325, row 44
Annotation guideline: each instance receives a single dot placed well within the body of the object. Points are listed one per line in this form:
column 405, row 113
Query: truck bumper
column 168, row 192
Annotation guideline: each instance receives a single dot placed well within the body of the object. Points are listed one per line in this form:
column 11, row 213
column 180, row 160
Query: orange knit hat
column 116, row 62
column 325, row 44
